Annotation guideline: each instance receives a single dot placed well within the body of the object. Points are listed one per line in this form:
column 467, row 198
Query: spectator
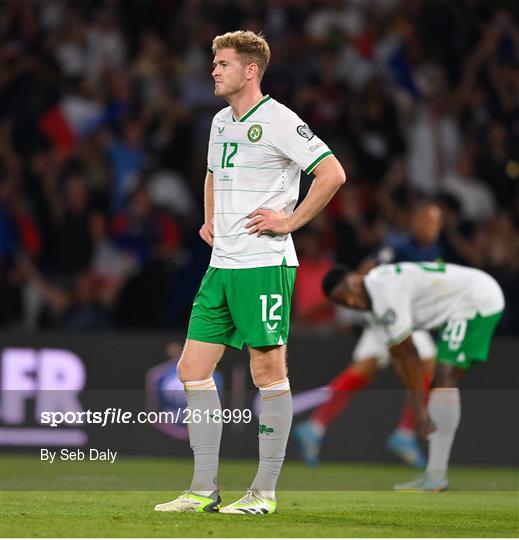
column 75, row 307
column 127, row 158
column 311, row 307
column 432, row 133
column 498, row 165
column 477, row 201
column 95, row 96
column 19, row 236
column 420, row 244
column 111, row 267
column 152, row 237
column 376, row 135
column 72, row 244
column 144, row 231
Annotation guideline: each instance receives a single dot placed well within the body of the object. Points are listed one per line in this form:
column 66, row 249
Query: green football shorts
column 463, row 341
column 246, row 305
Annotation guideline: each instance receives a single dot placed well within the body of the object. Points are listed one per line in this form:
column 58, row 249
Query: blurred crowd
column 105, row 109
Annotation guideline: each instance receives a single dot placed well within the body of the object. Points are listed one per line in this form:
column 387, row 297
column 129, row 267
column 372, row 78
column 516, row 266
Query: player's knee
column 187, row 372
column 182, row 372
column 266, row 374
column 259, row 378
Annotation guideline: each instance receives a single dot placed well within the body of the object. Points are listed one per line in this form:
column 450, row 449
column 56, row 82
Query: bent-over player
column 465, row 304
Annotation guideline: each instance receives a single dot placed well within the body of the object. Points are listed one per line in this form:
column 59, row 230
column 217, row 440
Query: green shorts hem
column 234, row 344
column 216, row 341
column 462, row 365
column 257, row 346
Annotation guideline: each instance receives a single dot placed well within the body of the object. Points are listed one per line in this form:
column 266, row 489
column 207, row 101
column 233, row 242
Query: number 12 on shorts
column 276, row 303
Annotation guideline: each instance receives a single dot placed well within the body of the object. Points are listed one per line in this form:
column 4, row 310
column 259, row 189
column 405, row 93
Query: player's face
column 351, row 293
column 229, row 73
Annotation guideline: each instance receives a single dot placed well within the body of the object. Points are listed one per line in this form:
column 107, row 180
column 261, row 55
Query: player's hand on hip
column 207, row 232
column 263, row 221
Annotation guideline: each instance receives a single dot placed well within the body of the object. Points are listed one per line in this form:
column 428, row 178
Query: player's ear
column 252, row 71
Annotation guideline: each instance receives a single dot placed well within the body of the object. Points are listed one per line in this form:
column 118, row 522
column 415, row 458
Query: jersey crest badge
column 255, row 132
column 305, row 132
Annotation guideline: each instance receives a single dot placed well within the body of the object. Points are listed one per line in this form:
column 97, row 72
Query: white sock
column 268, row 495
column 275, row 421
column 445, row 411
column 203, row 493
column 204, row 435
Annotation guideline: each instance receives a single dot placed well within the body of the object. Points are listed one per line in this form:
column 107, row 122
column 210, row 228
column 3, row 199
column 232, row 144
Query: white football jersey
column 408, row 296
column 256, row 163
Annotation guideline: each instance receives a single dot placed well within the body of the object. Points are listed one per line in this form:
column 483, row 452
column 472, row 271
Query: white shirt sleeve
column 298, row 142
column 390, row 305
column 210, row 150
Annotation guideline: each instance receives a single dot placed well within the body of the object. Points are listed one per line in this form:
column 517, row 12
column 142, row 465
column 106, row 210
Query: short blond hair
column 253, row 47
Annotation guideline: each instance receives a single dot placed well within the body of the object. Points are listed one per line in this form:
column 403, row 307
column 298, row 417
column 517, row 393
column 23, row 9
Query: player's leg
column 445, row 411
column 195, row 370
column 355, row 377
column 310, row 433
column 461, row 343
column 269, row 373
column 407, row 421
column 210, row 329
column 262, row 314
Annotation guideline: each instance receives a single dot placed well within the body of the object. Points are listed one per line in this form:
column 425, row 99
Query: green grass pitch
column 334, row 500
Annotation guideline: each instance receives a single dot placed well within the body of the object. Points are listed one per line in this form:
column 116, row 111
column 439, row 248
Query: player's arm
column 207, row 229
column 409, row 368
column 329, row 177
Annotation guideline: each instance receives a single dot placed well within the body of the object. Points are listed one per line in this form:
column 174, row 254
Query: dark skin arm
column 408, row 367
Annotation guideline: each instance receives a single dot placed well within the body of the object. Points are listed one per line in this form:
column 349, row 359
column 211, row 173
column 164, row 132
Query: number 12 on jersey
column 229, row 151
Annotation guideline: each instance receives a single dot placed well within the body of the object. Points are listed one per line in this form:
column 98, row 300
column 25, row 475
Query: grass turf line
column 302, row 513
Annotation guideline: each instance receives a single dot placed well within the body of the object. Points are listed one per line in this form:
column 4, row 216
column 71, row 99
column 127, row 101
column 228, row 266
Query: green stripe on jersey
column 250, row 254
column 312, row 165
column 253, row 190
column 254, row 109
column 228, row 235
column 250, row 167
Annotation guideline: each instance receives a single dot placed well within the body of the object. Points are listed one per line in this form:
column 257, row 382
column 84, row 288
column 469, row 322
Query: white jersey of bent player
column 256, row 162
column 407, row 296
